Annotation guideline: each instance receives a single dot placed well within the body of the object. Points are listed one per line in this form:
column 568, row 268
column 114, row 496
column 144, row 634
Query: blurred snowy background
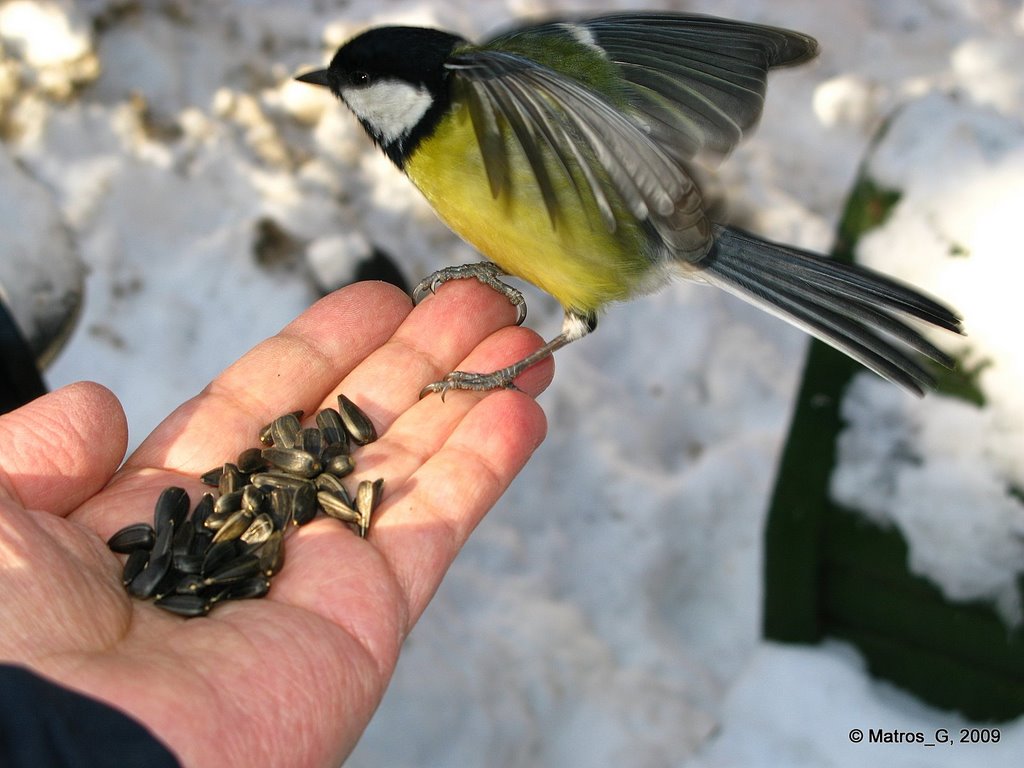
column 608, row 610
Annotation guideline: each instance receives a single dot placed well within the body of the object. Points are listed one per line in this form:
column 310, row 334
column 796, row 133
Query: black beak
column 316, row 77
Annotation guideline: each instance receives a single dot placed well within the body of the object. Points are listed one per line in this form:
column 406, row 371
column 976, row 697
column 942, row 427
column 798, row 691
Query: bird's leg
column 484, row 271
column 575, row 326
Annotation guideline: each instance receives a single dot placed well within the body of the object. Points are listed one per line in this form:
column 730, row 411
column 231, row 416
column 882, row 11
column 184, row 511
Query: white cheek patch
column 391, row 108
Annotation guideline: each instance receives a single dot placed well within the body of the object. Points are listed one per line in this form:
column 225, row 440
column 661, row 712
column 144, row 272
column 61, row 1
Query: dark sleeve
column 44, row 725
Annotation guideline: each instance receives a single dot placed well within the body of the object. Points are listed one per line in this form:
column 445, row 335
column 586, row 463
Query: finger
column 313, row 579
column 60, row 449
column 423, row 428
column 441, row 334
column 421, row 528
column 325, row 343
column 293, row 370
column 434, row 339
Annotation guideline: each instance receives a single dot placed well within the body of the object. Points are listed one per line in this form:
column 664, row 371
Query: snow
column 916, row 464
column 608, row 609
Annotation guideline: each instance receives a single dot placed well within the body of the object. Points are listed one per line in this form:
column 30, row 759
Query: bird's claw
column 486, row 272
column 473, row 382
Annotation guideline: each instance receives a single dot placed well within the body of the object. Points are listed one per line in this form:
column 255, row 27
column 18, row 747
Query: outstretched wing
column 699, row 82
column 638, row 96
column 561, row 122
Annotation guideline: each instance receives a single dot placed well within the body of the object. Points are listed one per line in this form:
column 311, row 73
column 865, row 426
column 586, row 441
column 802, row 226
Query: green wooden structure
column 831, row 572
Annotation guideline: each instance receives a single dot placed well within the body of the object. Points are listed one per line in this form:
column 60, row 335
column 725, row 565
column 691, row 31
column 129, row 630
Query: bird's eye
column 358, row 77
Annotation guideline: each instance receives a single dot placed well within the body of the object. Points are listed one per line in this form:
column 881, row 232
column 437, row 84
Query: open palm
column 294, row 678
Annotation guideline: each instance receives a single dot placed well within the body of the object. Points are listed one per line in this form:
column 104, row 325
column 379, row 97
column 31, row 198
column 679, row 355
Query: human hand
column 291, row 679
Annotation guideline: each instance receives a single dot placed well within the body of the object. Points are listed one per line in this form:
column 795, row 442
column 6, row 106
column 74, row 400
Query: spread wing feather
column 684, row 86
column 701, row 80
column 577, row 127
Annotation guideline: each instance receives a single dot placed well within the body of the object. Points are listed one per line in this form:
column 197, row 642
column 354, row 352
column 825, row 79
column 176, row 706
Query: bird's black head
column 394, row 80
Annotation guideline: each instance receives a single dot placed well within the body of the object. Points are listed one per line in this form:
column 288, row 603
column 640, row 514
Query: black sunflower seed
column 250, row 461
column 235, row 526
column 240, row 568
column 171, row 507
column 304, row 504
column 187, row 605
column 293, row 461
column 333, row 429
column 285, row 430
column 334, row 506
column 310, row 440
column 234, row 543
column 229, row 502
column 340, row 465
column 230, row 479
column 144, row 585
column 133, row 566
column 271, row 554
column 246, row 589
column 218, row 554
column 201, row 512
column 132, row 537
column 357, row 423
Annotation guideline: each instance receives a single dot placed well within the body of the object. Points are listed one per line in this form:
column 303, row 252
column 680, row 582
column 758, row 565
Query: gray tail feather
column 844, row 305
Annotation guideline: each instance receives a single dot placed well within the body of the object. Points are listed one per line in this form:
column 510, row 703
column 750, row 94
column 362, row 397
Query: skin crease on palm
column 293, row 679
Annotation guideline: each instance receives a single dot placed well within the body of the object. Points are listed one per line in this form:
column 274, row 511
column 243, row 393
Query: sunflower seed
column 229, row 502
column 250, row 461
column 215, row 520
column 169, row 582
column 332, row 428
column 368, row 496
column 326, row 482
column 212, row 476
column 279, row 480
column 271, row 554
column 201, row 512
column 335, row 507
column 285, row 430
column 253, row 500
column 182, row 541
column 191, row 563
column 235, row 526
column 340, row 465
column 218, row 554
column 265, row 436
column 233, row 544
column 144, row 584
column 293, row 460
column 189, row 584
column 236, row 570
column 254, row 586
column 132, row 537
column 357, row 423
column 282, row 506
column 259, row 530
column 311, row 440
column 133, row 566
column 187, row 605
column 201, row 542
column 304, row 504
column 164, row 539
column 230, row 479
column 171, row 507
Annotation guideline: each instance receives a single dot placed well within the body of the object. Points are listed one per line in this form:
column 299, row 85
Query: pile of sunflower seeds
column 233, row 542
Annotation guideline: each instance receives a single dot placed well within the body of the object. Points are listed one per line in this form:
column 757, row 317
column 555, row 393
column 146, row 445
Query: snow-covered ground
column 608, row 610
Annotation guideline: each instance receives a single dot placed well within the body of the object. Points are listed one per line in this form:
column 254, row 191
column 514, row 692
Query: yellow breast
column 578, row 261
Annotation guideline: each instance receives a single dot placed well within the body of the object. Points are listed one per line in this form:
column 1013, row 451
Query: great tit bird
column 560, row 151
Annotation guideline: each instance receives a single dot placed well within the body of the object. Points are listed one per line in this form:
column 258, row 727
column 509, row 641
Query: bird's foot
column 473, row 382
column 488, row 274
